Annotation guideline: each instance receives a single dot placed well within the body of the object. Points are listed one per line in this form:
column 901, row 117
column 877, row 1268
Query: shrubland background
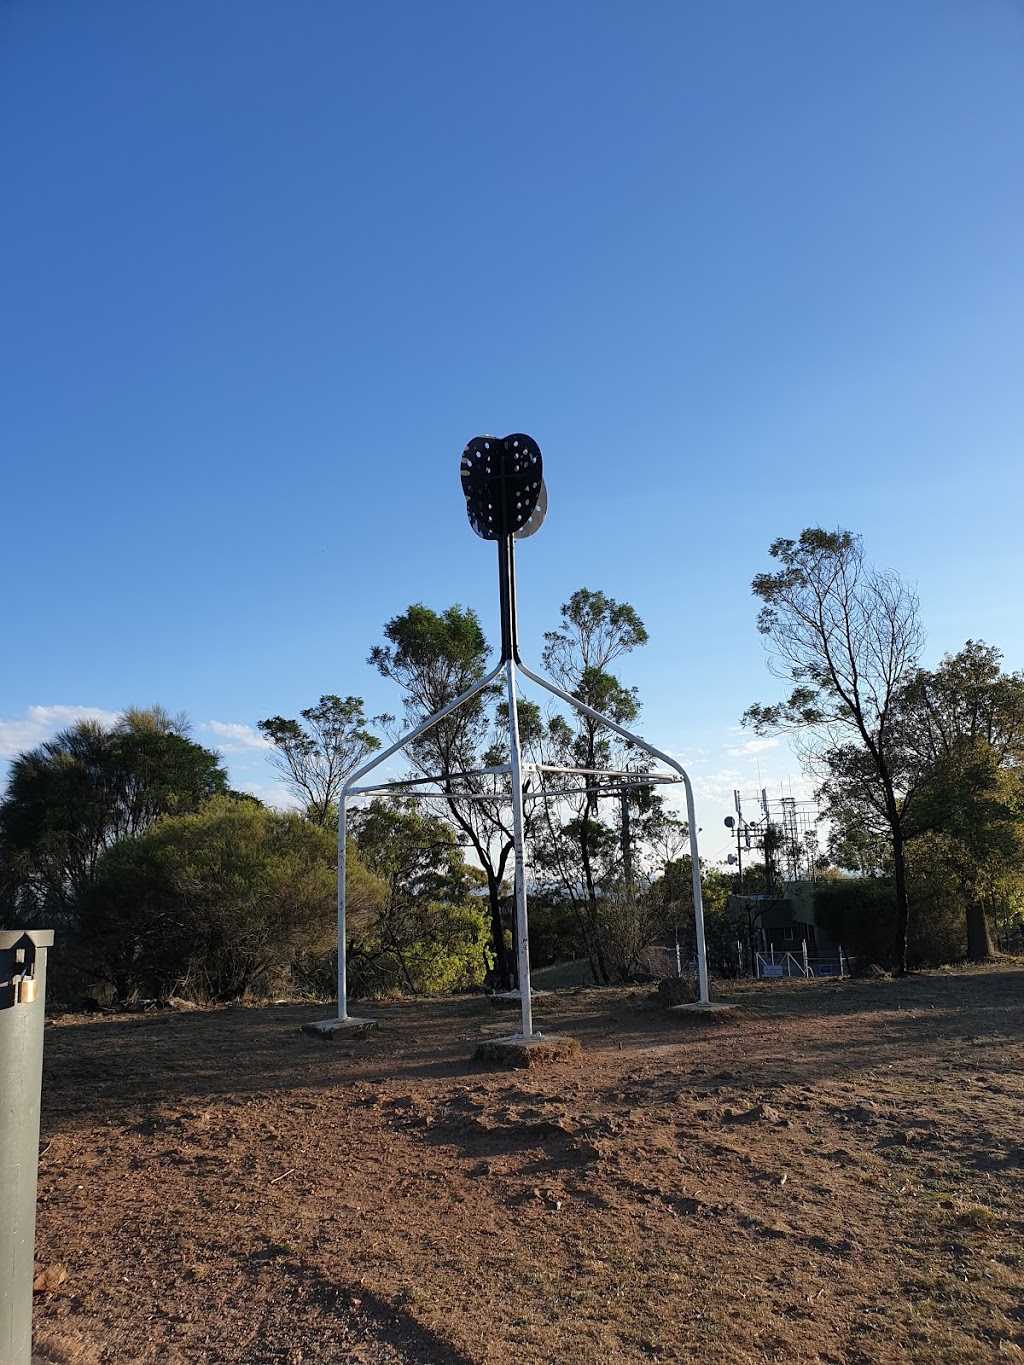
column 161, row 881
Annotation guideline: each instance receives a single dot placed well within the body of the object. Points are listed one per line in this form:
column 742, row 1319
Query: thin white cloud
column 688, row 757
column 753, row 746
column 40, row 723
column 716, row 789
column 233, row 736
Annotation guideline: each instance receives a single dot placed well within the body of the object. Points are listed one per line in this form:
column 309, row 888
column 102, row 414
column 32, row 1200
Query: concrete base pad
column 699, row 1007
column 520, row 1052
column 339, row 1028
column 512, row 1000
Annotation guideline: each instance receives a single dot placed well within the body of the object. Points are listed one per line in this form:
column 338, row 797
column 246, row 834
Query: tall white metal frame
column 514, row 769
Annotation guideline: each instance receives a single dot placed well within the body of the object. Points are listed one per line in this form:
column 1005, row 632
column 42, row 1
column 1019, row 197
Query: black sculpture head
column 503, row 480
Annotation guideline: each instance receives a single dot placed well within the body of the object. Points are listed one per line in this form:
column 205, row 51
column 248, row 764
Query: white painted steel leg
column 342, row 946
column 519, row 836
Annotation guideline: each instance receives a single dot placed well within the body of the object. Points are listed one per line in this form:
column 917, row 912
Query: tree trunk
column 399, row 957
column 582, row 917
column 590, row 813
column 498, row 936
column 979, row 938
column 603, row 975
column 899, row 948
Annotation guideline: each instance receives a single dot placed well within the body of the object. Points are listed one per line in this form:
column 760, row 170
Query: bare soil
column 832, row 1173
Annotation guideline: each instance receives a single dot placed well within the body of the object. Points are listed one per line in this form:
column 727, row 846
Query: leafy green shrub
column 420, row 947
column 429, row 932
column 232, row 900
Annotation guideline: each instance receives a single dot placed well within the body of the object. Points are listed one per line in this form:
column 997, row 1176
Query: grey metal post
column 22, row 996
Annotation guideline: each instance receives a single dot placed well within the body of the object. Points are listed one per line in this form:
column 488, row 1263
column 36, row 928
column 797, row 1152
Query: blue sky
column 738, row 267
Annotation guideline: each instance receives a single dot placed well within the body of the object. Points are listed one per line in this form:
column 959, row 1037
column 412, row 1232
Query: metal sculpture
column 506, row 500
column 504, row 486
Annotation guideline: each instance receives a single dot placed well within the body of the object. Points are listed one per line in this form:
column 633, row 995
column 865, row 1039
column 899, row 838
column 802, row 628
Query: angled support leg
column 329, row 1027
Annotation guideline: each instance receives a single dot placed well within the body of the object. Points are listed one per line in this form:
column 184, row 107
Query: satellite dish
column 729, row 822
column 503, row 481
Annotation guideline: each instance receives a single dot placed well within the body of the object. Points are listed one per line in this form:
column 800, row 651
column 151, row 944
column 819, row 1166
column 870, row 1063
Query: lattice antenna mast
column 795, row 822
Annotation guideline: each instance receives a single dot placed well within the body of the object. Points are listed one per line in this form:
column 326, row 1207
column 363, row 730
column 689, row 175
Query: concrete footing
column 520, row 1052
column 339, row 1028
column 702, row 1007
column 512, row 1000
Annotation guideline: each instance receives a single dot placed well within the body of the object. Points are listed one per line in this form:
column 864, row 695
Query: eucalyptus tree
column 434, row 657
column 576, row 847
column 314, row 755
column 846, row 636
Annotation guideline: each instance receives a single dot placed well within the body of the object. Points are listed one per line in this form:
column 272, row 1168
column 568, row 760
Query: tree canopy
column 576, row 849
column 316, row 755
column 964, row 731
column 434, row 657
column 83, row 791
column 846, row 636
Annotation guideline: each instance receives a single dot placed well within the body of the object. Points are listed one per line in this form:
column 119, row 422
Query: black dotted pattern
column 502, row 479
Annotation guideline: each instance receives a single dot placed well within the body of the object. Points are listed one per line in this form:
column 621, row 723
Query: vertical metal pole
column 739, row 857
column 807, row 965
column 342, row 944
column 698, row 898
column 22, row 998
column 626, row 836
column 518, row 835
column 509, row 658
column 739, row 840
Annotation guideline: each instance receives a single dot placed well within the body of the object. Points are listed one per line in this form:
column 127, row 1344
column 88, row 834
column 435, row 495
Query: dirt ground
column 831, row 1173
